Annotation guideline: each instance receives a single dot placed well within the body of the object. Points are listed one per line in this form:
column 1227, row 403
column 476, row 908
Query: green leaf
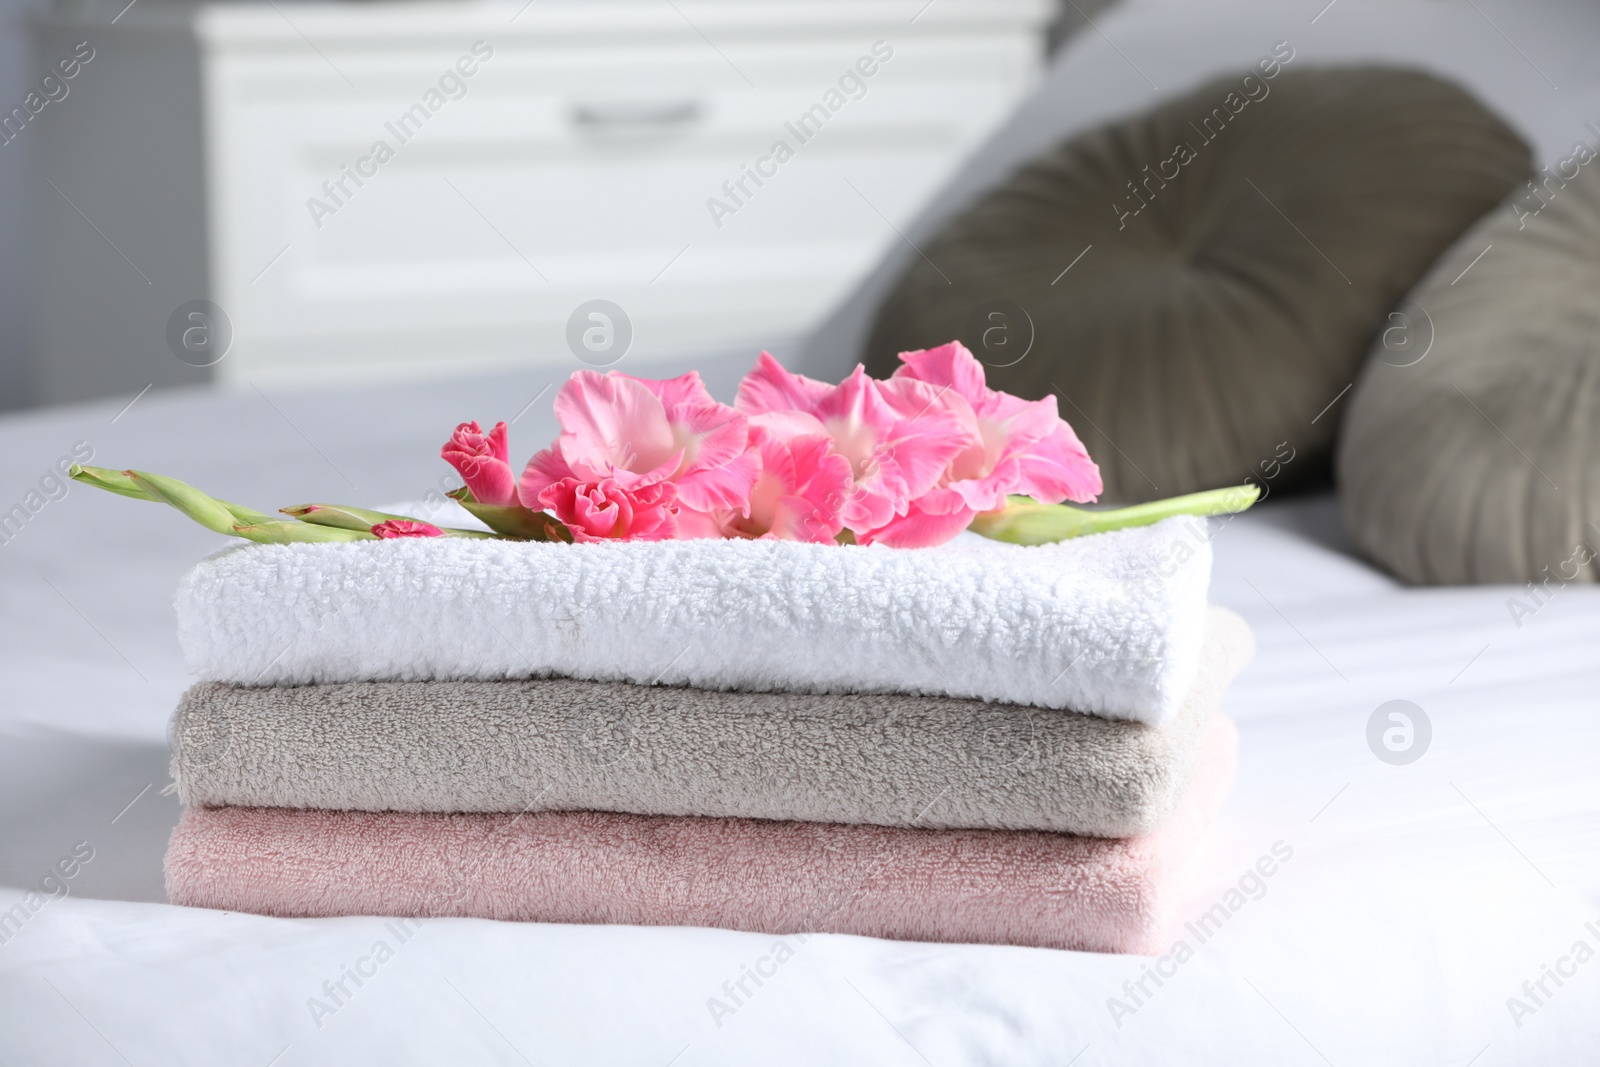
column 1024, row 521
column 513, row 520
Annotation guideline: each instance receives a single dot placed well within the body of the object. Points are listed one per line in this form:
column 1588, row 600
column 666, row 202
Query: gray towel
column 561, row 745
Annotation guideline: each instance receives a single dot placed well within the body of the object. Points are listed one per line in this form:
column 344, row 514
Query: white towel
column 1110, row 624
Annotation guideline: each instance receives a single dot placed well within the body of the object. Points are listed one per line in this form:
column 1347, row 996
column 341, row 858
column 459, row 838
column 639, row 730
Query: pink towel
column 985, row 886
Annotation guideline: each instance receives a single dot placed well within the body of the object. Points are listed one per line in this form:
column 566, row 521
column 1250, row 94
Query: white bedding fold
column 1110, row 624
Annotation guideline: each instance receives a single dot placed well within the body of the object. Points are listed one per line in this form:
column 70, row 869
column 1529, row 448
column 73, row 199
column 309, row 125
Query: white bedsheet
column 1417, row 900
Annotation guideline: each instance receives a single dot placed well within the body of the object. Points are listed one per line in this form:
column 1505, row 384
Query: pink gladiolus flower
column 800, row 493
column 483, row 461
column 605, row 511
column 640, row 433
column 394, row 528
column 1014, row 446
column 899, row 436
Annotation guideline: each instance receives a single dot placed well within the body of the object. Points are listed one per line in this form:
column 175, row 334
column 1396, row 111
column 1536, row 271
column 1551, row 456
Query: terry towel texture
column 1008, row 887
column 564, row 745
column 1108, row 625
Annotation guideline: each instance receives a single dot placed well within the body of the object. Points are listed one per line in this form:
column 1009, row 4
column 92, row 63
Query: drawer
column 555, row 176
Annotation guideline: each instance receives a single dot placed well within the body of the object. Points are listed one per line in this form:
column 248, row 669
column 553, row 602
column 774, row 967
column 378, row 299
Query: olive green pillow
column 1189, row 338
column 1471, row 448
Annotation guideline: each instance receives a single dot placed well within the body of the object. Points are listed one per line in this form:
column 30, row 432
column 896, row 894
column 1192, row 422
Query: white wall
column 16, row 208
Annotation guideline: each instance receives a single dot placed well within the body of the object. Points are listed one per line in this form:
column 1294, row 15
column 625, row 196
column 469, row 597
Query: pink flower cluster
column 907, row 462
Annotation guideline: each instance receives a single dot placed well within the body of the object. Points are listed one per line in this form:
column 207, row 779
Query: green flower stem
column 218, row 516
column 1024, row 521
column 109, row 480
column 345, row 517
column 512, row 520
column 215, row 516
column 284, row 532
column 186, row 498
column 123, row 483
column 342, row 516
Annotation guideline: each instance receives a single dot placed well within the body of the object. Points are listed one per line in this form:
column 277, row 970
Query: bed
column 1406, row 905
column 1428, row 912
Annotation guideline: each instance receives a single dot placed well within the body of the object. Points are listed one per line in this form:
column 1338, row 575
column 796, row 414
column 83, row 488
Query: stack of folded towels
column 979, row 742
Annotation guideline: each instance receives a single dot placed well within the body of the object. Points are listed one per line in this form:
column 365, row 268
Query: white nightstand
column 384, row 190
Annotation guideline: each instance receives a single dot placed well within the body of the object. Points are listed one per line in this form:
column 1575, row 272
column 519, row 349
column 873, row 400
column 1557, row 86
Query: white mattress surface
column 1416, row 901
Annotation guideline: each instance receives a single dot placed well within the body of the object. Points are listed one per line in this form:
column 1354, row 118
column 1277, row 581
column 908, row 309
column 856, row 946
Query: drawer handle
column 636, row 115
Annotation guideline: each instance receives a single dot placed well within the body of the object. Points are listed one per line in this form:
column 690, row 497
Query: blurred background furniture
column 1468, row 453
column 1232, row 294
column 578, row 160
column 1530, row 61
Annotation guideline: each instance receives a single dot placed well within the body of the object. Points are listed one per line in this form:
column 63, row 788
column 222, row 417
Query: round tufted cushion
column 1199, row 283
column 1471, row 447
